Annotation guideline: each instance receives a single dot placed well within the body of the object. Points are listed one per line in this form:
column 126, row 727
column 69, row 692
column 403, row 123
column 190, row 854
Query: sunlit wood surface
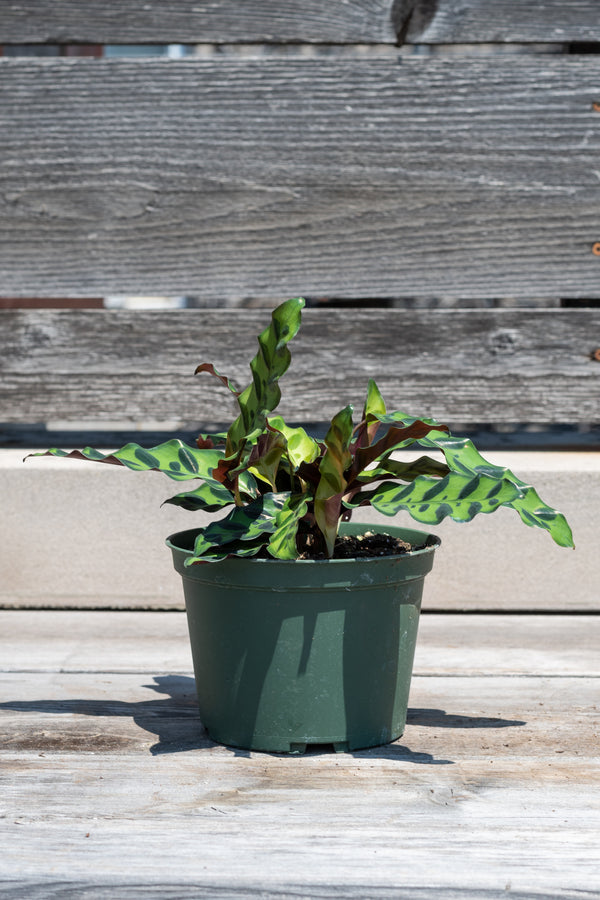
column 111, row 788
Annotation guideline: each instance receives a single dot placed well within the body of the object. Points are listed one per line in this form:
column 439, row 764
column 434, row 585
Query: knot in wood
column 503, row 342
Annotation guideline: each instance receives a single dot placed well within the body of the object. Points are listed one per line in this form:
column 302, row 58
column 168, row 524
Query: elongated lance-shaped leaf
column 462, row 456
column 374, row 408
column 430, row 500
column 212, row 496
column 332, row 483
column 282, row 543
column 234, row 548
column 176, row 459
column 262, row 396
column 265, row 456
column 209, row 367
column 253, row 522
column 405, row 471
column 396, row 438
column 208, row 497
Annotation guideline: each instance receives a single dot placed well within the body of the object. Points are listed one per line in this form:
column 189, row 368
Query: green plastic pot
column 289, row 653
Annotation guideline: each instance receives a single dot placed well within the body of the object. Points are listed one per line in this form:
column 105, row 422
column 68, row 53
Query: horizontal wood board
column 314, row 21
column 199, row 21
column 503, row 21
column 480, row 717
column 240, row 179
column 495, row 365
column 126, row 642
column 491, row 791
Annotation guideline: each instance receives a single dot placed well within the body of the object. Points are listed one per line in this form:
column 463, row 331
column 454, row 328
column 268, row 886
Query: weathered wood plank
column 443, row 854
column 316, row 21
column 346, row 178
column 122, row 642
column 493, row 783
column 453, row 21
column 472, row 366
column 49, row 890
column 492, row 789
column 511, row 719
column 198, row 21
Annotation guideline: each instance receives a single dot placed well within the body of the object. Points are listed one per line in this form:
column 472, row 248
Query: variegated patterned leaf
column 243, row 523
column 282, row 543
column 332, row 483
column 209, row 497
column 271, row 362
column 462, row 456
column 405, row 471
column 430, row 500
column 265, row 457
column 176, row 459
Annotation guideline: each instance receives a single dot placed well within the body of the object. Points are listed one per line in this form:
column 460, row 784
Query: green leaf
column 462, row 456
column 374, row 404
column 266, row 455
column 270, row 363
column 396, row 438
column 234, row 548
column 243, row 523
column 332, row 483
column 300, row 446
column 430, row 500
column 405, row 471
column 373, row 410
column 176, row 459
column 209, row 497
column 282, row 543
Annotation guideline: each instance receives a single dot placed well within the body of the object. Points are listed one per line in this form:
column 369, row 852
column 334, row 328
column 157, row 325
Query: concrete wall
column 76, row 534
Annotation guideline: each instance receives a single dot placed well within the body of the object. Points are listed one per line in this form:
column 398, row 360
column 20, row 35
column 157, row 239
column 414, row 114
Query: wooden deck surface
column 110, row 788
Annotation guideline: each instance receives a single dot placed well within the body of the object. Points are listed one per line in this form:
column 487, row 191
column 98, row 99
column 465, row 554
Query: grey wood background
column 319, row 21
column 498, row 365
column 516, row 21
column 227, row 179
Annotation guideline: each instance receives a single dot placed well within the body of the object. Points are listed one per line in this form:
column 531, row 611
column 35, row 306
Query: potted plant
column 303, row 624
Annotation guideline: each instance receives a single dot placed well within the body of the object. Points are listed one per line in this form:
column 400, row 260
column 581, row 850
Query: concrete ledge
column 79, row 535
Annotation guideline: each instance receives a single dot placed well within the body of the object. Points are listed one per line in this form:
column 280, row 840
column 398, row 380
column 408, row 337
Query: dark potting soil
column 368, row 544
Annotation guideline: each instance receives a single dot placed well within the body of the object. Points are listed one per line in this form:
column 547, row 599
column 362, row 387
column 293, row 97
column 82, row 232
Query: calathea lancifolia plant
column 286, row 492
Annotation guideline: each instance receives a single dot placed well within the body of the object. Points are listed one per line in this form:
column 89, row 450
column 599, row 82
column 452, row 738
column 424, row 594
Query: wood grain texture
column 493, row 783
column 504, row 21
column 198, row 21
column 504, row 365
column 492, row 790
column 237, row 179
column 313, row 21
column 137, row 642
column 451, row 721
